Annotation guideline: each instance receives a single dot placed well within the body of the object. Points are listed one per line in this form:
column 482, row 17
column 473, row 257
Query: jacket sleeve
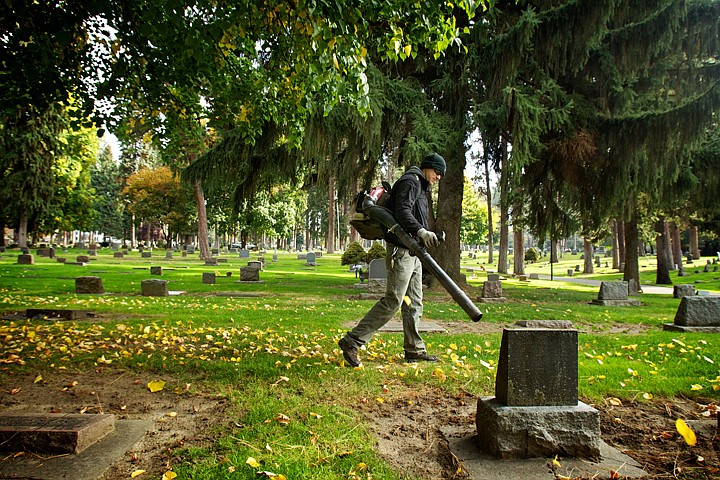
column 406, row 195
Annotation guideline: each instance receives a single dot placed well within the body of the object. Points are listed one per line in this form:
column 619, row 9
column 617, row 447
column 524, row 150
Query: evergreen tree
column 107, row 203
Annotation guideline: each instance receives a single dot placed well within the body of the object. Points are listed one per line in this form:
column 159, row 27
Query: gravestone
column 377, row 276
column 190, row 250
column 61, row 259
column 25, row 259
column 570, row 272
column 492, row 292
column 275, row 257
column 244, row 253
column 256, row 264
column 146, row 254
column 534, row 276
column 310, row 260
column 684, row 290
column 214, row 251
column 249, row 274
column 523, row 278
column 208, row 278
column 118, row 255
column 92, row 253
column 156, row 270
column 184, row 254
column 212, row 261
column 493, row 277
column 25, row 250
column 53, row 433
column 154, row 288
column 535, row 411
column 302, row 256
column 614, row 294
column 82, row 259
column 697, row 314
column 168, row 254
column 577, row 268
column 88, row 285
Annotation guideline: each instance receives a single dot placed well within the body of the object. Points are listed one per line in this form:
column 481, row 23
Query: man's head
column 433, row 167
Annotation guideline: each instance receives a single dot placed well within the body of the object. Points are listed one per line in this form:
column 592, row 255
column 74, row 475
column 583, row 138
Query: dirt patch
column 410, row 427
column 180, row 419
column 410, row 434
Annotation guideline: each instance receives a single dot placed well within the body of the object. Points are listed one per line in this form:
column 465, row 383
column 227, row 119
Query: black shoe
column 349, row 352
column 420, row 356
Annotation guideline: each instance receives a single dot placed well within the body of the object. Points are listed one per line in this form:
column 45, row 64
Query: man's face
column 432, row 175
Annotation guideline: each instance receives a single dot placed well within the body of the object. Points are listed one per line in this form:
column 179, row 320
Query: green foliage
column 532, row 255
column 474, row 221
column 353, row 255
column 376, row 250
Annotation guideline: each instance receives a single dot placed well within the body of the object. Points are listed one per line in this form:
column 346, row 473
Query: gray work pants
column 404, row 278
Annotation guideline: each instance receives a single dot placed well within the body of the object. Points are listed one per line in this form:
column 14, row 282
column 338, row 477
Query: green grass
column 272, row 349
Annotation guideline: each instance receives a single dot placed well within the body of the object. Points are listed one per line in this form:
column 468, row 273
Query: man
column 409, row 205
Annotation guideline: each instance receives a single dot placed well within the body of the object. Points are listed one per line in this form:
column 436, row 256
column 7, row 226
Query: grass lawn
column 268, row 353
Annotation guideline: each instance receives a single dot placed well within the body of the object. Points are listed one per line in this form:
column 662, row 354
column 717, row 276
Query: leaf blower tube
column 385, row 217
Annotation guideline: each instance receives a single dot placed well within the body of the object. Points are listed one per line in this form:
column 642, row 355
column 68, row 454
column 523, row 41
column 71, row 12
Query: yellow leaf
column 408, row 49
column 616, row 402
column 136, row 473
column 686, row 432
column 696, row 387
column 169, row 475
column 38, row 379
column 156, row 385
column 252, row 462
column 556, row 462
column 647, row 396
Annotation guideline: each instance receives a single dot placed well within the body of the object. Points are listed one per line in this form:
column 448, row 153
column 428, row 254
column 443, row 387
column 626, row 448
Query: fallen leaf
column 38, row 379
column 252, row 462
column 556, row 462
column 169, row 475
column 686, row 432
column 136, row 473
column 156, row 385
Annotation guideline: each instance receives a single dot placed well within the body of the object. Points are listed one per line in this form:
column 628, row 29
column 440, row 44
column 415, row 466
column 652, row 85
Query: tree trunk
column 449, row 213
column 331, row 217
column 22, row 229
column 631, row 273
column 518, row 251
column 677, row 255
column 621, row 240
column 553, row 251
column 664, row 256
column 588, row 266
column 504, row 181
column 203, row 235
column 615, row 250
column 694, row 247
column 488, row 196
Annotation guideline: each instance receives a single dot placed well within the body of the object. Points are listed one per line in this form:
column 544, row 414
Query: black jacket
column 409, row 204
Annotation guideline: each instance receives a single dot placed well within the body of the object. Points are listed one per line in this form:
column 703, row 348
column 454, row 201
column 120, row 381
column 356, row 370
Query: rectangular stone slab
column 538, row 366
column 57, row 313
column 53, row 433
column 698, row 311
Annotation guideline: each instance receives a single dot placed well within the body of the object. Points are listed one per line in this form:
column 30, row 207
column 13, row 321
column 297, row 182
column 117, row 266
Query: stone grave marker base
column 492, row 300
column 90, row 464
column 482, row 466
column 528, row 432
column 57, row 313
column 671, row 327
column 617, row 303
column 53, row 433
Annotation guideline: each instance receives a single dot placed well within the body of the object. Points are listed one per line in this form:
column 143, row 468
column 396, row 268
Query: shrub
column 376, row 251
column 353, row 255
column 532, row 255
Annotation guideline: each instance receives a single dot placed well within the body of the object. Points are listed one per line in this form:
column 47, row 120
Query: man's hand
column 428, row 238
